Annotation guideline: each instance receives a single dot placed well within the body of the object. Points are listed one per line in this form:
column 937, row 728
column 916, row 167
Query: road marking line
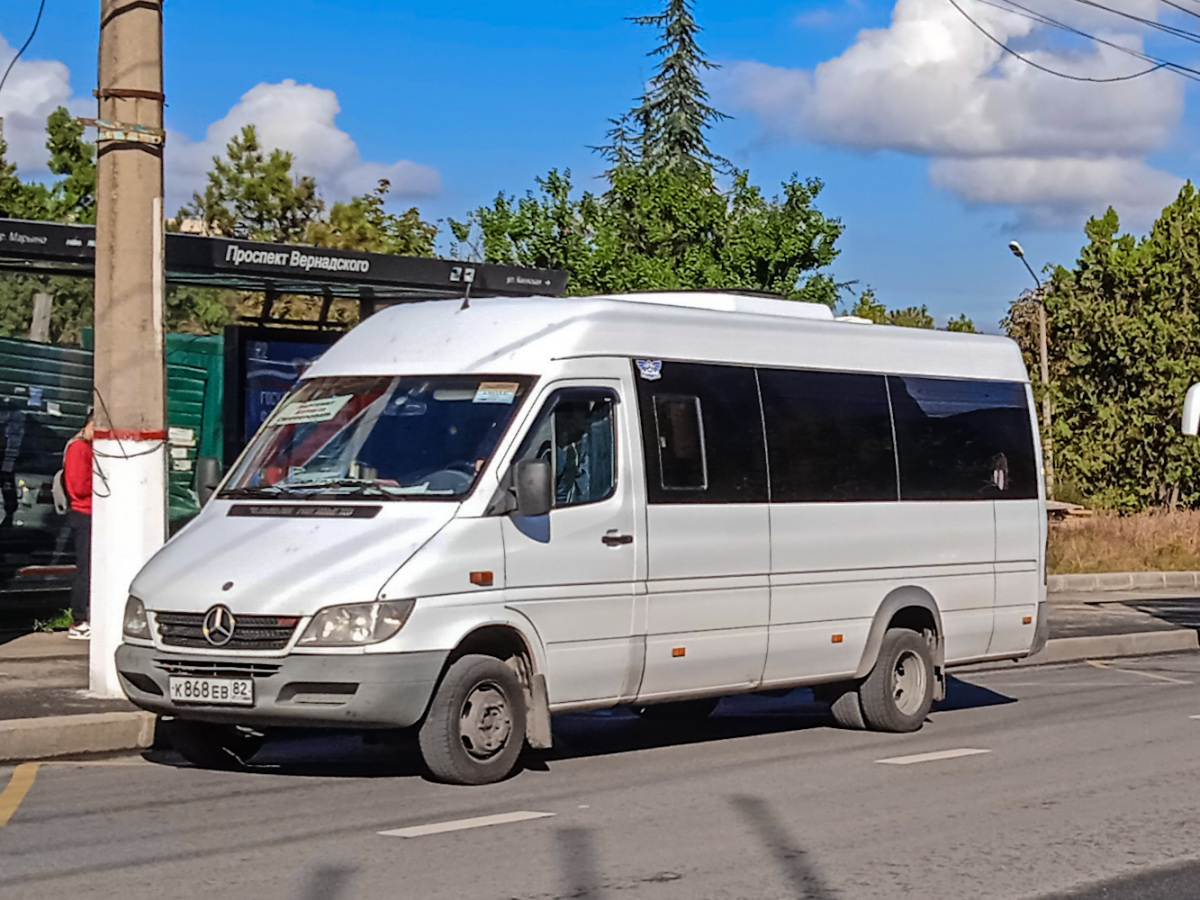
column 1111, row 668
column 930, row 757
column 463, row 824
column 18, row 786
column 1194, row 717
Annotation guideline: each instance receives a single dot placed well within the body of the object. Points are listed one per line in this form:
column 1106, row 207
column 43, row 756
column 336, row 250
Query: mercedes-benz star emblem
column 218, row 626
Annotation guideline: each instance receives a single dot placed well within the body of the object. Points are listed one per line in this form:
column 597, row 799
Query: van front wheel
column 898, row 693
column 475, row 728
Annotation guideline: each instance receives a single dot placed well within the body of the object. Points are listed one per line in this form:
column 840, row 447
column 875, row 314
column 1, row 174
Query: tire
column 475, row 728
column 845, row 706
column 680, row 710
column 898, row 693
column 210, row 746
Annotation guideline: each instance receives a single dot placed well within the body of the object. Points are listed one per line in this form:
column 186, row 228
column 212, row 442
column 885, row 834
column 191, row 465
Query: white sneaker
column 80, row 631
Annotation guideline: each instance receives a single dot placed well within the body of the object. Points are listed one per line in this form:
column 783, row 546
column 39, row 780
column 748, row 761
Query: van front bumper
column 383, row 690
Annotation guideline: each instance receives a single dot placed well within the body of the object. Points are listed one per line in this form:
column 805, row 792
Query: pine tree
column 666, row 130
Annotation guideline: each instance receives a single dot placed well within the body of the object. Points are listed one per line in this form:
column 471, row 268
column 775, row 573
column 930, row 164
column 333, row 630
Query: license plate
column 222, row 691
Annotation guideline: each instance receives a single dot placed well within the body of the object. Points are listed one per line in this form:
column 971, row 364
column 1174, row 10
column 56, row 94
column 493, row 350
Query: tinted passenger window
column 963, row 440
column 680, row 426
column 829, row 436
column 702, row 433
column 575, row 429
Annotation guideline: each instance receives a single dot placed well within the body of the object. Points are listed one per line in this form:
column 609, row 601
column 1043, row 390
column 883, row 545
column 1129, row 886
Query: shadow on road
column 965, row 695
column 327, row 883
column 336, row 754
column 805, row 881
column 1182, row 612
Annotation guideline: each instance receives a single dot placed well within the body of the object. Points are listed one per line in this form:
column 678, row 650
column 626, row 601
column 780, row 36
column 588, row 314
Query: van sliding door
column 708, row 601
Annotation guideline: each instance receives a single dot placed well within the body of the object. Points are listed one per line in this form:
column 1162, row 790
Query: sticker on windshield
column 496, row 392
column 306, row 411
column 649, row 369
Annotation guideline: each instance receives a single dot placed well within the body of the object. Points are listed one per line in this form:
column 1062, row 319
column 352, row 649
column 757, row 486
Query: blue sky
column 935, row 147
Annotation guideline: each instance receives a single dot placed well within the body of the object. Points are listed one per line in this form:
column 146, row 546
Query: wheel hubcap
column 485, row 723
column 908, row 683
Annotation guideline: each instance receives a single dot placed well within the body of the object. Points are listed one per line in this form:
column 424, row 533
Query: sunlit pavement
column 1089, row 774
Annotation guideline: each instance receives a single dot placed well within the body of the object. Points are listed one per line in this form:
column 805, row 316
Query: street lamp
column 1019, row 253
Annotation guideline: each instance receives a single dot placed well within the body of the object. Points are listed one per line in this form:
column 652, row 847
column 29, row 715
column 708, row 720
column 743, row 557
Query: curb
column 1122, row 581
column 24, row 740
column 27, row 740
column 1103, row 646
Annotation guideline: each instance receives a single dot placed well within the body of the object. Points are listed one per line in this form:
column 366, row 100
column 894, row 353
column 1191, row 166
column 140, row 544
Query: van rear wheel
column 475, row 728
column 898, row 694
column 208, row 745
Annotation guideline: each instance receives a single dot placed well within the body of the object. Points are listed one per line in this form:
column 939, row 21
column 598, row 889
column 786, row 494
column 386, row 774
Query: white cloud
column 34, row 89
column 997, row 129
column 299, row 118
column 296, row 117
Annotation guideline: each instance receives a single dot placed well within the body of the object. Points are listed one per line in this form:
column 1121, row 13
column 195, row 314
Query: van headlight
column 135, row 624
column 356, row 624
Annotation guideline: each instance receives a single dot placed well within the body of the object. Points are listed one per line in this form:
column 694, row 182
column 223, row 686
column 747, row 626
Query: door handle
column 613, row 539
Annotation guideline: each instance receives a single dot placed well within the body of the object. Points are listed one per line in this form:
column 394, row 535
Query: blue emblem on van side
column 650, row 369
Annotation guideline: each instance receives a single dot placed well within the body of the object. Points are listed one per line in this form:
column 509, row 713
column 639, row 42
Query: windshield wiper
column 350, row 487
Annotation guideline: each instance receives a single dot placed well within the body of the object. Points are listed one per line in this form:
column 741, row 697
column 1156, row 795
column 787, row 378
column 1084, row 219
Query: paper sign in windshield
column 496, row 392
column 307, row 411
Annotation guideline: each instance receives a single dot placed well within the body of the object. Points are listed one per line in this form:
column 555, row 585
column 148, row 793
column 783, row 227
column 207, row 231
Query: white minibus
column 468, row 517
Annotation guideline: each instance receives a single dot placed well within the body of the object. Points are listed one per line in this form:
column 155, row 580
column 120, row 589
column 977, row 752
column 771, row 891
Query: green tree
column 252, row 194
column 662, row 222
column 868, row 307
column 1124, row 323
column 73, row 196
column 364, row 224
column 961, row 323
column 666, row 130
column 911, row 317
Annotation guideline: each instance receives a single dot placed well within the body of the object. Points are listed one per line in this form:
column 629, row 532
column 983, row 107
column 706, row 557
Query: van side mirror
column 1191, row 411
column 527, row 489
column 533, row 483
column 208, row 477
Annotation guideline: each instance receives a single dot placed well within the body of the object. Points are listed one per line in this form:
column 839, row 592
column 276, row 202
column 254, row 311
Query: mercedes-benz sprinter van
column 466, row 518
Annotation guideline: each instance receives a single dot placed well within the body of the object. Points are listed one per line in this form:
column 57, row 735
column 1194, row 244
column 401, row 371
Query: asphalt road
column 1088, row 788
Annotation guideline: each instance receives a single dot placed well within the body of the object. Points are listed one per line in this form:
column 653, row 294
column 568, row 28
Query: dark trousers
column 81, row 587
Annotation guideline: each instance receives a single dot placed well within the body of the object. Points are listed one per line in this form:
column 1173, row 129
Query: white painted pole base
column 129, row 524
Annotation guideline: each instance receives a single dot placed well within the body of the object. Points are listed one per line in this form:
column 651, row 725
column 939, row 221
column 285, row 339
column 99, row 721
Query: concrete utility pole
column 129, row 520
column 1043, row 357
column 39, row 328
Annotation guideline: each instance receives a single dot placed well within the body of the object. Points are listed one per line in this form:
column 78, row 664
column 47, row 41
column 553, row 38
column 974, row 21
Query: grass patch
column 60, row 622
column 1144, row 542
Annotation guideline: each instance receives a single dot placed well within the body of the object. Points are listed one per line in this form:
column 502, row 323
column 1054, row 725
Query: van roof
column 521, row 335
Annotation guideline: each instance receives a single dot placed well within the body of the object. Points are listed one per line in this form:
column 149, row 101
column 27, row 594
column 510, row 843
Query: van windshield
column 382, row 438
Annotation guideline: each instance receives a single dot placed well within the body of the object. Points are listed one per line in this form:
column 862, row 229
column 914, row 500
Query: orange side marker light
column 836, row 638
column 1027, row 620
column 482, row 579
column 679, row 651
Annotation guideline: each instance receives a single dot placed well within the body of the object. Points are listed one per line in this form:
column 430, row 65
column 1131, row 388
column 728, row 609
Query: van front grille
column 178, row 629
column 196, row 668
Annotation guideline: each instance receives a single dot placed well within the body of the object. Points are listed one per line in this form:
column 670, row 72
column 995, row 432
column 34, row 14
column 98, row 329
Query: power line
column 1029, row 62
column 36, row 22
column 1148, row 23
column 1015, row 8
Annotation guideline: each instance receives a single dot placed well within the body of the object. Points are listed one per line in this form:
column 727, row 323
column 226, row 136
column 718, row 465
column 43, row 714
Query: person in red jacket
column 77, row 478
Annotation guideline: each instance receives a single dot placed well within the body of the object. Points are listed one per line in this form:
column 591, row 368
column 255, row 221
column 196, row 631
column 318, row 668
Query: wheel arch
column 511, row 643
column 907, row 607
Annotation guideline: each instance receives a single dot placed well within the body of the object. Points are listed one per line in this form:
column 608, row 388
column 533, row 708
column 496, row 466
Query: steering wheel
column 455, row 477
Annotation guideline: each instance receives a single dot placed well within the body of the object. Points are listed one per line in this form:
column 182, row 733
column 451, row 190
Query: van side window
column 963, row 440
column 829, row 436
column 680, row 429
column 702, row 433
column 576, row 430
